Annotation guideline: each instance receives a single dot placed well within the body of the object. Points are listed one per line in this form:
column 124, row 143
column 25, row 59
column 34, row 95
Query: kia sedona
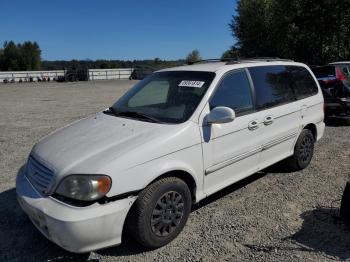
column 176, row 137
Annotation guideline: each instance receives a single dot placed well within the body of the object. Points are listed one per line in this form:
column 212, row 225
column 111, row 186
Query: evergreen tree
column 24, row 56
column 310, row 31
column 193, row 57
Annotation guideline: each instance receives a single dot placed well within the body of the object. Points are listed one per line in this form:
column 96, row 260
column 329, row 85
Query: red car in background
column 334, row 79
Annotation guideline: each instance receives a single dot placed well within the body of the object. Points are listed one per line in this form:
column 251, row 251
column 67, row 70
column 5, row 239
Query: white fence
column 104, row 74
column 18, row 76
column 94, row 74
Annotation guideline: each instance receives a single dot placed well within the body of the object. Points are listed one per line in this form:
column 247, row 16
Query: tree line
column 27, row 56
column 154, row 64
column 314, row 32
column 15, row 57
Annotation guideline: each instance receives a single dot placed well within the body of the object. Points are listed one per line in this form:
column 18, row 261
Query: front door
column 231, row 151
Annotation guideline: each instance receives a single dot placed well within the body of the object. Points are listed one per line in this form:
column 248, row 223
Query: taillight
column 339, row 74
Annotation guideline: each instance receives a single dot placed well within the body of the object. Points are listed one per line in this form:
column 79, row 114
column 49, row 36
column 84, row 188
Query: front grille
column 39, row 175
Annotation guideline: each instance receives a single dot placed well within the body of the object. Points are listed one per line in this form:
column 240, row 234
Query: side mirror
column 220, row 115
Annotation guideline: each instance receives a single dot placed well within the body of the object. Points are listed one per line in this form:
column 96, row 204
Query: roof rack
column 232, row 61
column 259, row 59
column 210, row 61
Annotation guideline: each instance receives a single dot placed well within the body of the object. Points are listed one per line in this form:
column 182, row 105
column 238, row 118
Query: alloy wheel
column 167, row 214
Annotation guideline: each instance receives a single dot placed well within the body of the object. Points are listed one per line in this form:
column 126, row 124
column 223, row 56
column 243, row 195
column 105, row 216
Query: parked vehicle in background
column 344, row 66
column 72, row 75
column 334, row 80
column 175, row 138
column 140, row 72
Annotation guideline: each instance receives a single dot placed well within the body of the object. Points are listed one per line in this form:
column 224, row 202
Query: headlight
column 85, row 187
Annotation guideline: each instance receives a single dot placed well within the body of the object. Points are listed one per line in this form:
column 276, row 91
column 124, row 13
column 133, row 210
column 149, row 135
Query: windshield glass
column 169, row 97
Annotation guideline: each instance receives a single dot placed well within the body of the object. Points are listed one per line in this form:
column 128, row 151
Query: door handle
column 268, row 120
column 253, row 125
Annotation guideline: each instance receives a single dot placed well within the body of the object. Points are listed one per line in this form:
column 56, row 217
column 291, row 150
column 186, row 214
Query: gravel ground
column 272, row 216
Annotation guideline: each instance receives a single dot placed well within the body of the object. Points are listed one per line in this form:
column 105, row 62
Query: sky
column 126, row 30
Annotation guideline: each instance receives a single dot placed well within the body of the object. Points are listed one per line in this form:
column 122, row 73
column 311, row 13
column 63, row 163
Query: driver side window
column 156, row 92
column 233, row 92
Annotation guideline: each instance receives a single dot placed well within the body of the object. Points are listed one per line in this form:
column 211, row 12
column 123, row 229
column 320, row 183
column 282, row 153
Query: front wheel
column 303, row 151
column 160, row 212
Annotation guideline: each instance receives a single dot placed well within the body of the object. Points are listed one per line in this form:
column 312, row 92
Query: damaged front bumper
column 76, row 229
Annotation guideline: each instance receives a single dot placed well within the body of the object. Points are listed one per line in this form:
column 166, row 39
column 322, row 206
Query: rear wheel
column 160, row 212
column 303, row 151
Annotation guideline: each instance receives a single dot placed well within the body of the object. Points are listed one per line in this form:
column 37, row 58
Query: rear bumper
column 76, row 229
column 320, row 130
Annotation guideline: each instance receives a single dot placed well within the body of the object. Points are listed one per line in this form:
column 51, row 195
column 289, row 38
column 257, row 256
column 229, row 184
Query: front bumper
column 76, row 229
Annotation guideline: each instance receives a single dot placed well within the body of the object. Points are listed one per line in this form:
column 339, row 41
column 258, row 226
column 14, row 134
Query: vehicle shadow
column 21, row 241
column 322, row 231
column 280, row 167
column 228, row 190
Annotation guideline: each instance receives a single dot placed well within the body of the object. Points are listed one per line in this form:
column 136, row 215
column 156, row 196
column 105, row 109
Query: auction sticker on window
column 188, row 83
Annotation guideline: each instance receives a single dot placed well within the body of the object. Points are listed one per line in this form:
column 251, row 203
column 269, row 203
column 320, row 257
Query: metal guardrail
column 106, row 74
column 38, row 76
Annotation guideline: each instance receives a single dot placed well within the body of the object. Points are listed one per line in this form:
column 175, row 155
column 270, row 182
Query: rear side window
column 324, row 71
column 234, row 92
column 345, row 69
column 302, row 82
column 272, row 86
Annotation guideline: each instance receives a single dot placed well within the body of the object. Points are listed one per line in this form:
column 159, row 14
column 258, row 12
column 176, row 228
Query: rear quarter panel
column 315, row 109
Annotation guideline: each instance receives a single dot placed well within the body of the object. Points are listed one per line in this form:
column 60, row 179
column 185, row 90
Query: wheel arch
column 312, row 127
column 183, row 175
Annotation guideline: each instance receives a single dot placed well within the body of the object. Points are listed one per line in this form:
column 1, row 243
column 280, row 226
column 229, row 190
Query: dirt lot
column 272, row 216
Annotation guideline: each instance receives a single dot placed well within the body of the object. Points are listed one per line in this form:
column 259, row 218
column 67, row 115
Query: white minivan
column 173, row 139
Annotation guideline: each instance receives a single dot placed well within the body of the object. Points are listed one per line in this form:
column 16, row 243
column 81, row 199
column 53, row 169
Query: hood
column 90, row 144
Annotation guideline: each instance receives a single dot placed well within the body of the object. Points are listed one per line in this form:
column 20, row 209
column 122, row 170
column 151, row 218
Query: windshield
column 168, row 97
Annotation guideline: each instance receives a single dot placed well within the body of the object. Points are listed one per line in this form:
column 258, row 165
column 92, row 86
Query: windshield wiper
column 112, row 110
column 139, row 115
column 134, row 114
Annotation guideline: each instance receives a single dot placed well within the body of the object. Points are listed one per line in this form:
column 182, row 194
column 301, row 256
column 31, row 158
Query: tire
column 160, row 212
column 345, row 205
column 303, row 151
